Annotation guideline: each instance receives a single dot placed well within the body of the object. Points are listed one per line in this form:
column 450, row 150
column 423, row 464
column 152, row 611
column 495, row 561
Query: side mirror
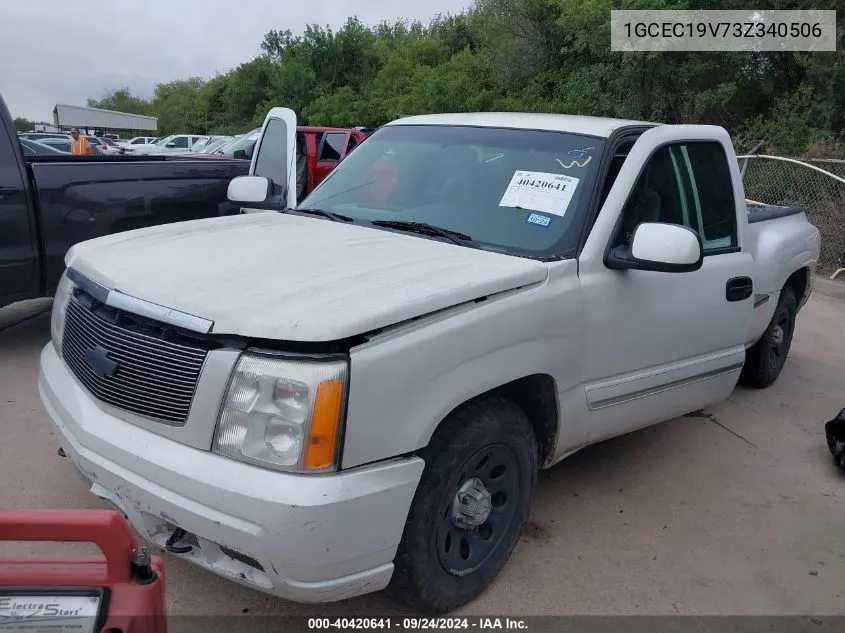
column 250, row 189
column 659, row 247
column 239, row 154
column 171, row 144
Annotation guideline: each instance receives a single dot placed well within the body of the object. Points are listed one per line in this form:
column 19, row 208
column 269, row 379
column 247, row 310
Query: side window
column 687, row 184
column 180, row 141
column 301, row 146
column 713, row 207
column 352, row 144
column 331, row 148
column 272, row 155
column 139, row 141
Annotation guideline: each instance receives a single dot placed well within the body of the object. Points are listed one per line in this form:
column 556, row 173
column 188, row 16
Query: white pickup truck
column 355, row 394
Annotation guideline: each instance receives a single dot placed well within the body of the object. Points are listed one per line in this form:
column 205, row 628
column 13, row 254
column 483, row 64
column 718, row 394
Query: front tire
column 766, row 358
column 470, row 506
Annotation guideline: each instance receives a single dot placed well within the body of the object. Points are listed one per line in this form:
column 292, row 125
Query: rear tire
column 766, row 358
column 448, row 557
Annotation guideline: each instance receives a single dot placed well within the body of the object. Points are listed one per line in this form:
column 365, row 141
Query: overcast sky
column 57, row 51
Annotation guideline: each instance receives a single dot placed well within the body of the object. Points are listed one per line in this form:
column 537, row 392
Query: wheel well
column 798, row 282
column 537, row 397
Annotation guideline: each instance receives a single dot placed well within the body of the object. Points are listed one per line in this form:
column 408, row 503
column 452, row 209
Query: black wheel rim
column 780, row 339
column 463, row 548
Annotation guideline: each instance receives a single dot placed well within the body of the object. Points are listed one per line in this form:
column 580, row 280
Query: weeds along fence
column 815, row 185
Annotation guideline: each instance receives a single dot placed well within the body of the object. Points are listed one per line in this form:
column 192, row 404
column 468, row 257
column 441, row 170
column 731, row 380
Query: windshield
column 198, row 145
column 517, row 191
column 244, row 142
column 164, row 141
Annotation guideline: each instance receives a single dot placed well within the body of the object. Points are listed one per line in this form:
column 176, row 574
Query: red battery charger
column 121, row 591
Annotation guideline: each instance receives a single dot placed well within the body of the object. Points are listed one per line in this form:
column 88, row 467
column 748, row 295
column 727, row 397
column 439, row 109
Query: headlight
column 283, row 414
column 57, row 318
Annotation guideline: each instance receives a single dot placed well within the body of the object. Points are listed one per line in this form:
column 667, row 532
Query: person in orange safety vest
column 79, row 145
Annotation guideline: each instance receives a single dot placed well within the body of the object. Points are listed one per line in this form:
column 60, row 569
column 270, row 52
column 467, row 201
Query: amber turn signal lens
column 322, row 435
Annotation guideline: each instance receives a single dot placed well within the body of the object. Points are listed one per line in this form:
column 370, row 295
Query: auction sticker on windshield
column 539, row 191
column 40, row 612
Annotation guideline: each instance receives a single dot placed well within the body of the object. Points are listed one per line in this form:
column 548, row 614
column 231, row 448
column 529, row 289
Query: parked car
column 59, row 140
column 138, row 140
column 38, row 136
column 36, row 148
column 50, row 202
column 318, row 151
column 200, row 145
column 174, row 143
column 106, row 147
column 212, row 145
column 209, row 144
column 240, row 147
column 63, row 144
column 109, row 147
column 356, row 392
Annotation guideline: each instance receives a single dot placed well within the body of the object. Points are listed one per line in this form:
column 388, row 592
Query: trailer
column 68, row 116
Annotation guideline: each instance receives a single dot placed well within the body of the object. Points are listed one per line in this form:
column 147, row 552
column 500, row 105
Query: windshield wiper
column 337, row 217
column 425, row 229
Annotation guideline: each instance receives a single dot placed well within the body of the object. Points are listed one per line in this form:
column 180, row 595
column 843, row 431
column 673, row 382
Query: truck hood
column 287, row 277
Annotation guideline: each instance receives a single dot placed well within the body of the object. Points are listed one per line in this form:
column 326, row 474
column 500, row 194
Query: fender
column 405, row 381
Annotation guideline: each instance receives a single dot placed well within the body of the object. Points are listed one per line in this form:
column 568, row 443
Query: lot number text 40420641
column 418, row 624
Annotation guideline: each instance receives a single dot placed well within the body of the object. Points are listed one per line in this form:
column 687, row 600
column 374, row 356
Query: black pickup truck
column 49, row 203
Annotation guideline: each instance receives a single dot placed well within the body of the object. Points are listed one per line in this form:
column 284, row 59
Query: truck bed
column 760, row 212
column 778, row 236
column 85, row 197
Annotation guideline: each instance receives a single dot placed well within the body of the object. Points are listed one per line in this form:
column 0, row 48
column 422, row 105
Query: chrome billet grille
column 154, row 377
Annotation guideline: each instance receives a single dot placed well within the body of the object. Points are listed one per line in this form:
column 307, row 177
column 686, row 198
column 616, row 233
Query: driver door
column 662, row 344
column 274, row 155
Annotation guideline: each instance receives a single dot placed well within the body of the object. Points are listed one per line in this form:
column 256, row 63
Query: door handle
column 739, row 288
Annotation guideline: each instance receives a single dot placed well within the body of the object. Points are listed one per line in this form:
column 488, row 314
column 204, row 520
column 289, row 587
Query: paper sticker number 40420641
column 539, row 191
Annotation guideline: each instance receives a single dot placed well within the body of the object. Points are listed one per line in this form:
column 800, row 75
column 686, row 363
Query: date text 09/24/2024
column 417, row 624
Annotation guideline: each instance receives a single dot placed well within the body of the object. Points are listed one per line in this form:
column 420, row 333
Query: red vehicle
column 318, row 151
column 122, row 589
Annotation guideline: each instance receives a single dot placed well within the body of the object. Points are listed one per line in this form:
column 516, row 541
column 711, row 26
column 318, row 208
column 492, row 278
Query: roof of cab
column 589, row 125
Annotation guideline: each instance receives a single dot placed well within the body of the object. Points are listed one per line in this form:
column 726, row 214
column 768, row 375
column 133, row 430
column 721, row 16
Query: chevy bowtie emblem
column 99, row 362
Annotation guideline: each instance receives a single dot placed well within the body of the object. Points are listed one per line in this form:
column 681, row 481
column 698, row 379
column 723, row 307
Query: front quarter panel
column 405, row 381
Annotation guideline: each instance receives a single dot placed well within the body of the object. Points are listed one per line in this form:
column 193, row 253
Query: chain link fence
column 815, row 185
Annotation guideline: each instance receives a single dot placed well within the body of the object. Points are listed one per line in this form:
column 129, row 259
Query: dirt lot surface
column 736, row 510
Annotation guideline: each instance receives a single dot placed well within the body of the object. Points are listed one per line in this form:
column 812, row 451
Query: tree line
column 517, row 55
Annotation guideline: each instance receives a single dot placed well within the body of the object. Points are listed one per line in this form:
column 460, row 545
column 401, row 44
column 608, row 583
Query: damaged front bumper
column 317, row 538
